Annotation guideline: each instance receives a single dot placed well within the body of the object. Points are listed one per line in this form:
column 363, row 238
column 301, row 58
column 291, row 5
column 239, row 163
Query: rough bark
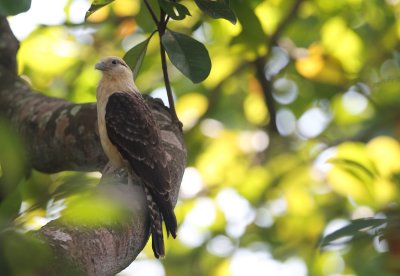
column 61, row 135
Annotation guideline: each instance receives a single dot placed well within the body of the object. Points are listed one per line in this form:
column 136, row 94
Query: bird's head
column 114, row 67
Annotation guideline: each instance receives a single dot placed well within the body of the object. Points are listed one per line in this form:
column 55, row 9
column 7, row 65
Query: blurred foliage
column 253, row 201
column 10, row 7
column 16, row 256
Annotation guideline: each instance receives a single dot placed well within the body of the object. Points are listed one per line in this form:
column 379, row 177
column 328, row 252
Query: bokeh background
column 254, row 200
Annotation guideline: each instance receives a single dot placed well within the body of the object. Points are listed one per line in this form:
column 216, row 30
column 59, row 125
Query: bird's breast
column 109, row 149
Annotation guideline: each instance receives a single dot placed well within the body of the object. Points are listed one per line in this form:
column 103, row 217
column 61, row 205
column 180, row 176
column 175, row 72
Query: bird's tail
column 155, row 226
column 170, row 221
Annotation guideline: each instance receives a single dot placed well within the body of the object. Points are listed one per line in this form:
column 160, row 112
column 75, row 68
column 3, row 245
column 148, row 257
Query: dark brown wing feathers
column 132, row 129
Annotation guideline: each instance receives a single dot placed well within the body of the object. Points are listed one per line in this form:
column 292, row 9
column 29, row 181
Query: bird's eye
column 114, row 61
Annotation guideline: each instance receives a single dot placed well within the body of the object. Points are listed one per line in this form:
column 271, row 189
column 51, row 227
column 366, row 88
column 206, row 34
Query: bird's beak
column 100, row 66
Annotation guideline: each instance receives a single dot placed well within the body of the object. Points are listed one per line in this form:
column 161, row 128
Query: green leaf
column 217, row 9
column 16, row 250
column 188, row 55
column 135, row 56
column 175, row 10
column 373, row 173
column 142, row 18
column 73, row 184
column 252, row 33
column 9, row 208
column 353, row 229
column 13, row 7
column 13, row 166
column 97, row 4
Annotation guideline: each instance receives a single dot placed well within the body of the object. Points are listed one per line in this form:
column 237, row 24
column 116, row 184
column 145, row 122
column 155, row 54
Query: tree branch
column 8, row 48
column 266, row 86
column 104, row 249
column 61, row 136
column 283, row 24
column 259, row 64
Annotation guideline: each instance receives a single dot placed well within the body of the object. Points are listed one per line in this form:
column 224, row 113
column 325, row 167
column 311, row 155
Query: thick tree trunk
column 62, row 136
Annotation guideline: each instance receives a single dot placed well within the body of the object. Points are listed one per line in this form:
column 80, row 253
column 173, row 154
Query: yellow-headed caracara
column 131, row 139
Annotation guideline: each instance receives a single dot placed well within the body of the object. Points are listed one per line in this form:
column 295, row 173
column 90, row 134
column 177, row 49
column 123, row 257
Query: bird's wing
column 132, row 129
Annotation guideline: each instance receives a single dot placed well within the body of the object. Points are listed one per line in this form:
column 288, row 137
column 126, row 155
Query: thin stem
column 167, row 82
column 151, row 11
column 162, row 25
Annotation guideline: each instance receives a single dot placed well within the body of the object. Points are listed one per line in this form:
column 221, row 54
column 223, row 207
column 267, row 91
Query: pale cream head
column 114, row 67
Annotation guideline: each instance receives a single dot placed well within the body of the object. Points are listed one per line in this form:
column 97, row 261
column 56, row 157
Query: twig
column 283, row 24
column 259, row 64
column 167, row 82
column 266, row 86
column 151, row 11
column 161, row 27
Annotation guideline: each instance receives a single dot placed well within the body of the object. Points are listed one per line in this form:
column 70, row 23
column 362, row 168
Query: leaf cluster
column 187, row 54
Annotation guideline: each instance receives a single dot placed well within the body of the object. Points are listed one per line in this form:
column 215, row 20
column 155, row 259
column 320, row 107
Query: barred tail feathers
column 155, row 226
column 170, row 221
column 157, row 239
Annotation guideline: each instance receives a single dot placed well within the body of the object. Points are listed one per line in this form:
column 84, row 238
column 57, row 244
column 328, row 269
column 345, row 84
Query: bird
column 131, row 139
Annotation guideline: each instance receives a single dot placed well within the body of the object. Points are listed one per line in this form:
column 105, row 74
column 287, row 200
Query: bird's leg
column 107, row 168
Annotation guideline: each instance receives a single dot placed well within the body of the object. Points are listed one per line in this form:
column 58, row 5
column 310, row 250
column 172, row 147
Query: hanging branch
column 161, row 27
column 266, row 86
column 259, row 64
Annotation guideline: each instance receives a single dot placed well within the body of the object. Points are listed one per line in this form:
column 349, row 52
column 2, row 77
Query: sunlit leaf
column 354, row 164
column 217, row 9
column 387, row 149
column 349, row 50
column 93, row 210
column 48, row 61
column 174, row 10
column 124, row 8
column 320, row 66
column 36, row 188
column 188, row 55
column 352, row 229
column 75, row 183
column 97, row 4
column 12, row 7
column 353, row 177
column 135, row 56
column 255, row 109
